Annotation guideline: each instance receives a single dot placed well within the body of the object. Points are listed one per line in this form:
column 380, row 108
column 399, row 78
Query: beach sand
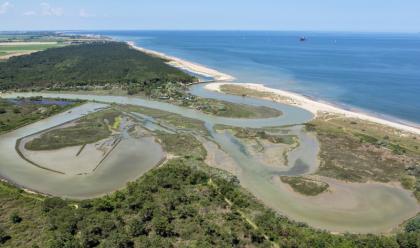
column 316, row 107
column 187, row 65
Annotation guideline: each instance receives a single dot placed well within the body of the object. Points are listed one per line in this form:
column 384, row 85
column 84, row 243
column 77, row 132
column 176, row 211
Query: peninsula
column 105, row 144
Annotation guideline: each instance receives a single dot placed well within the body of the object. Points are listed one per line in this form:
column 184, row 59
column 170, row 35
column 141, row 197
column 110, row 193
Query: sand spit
column 316, row 107
column 186, row 65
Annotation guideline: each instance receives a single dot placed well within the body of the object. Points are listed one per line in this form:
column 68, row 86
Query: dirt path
column 242, row 214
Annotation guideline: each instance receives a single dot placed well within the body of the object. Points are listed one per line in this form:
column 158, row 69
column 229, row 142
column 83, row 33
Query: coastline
column 316, row 107
column 186, row 65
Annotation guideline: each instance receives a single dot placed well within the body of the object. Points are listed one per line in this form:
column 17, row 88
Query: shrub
column 138, row 228
column 4, row 236
column 413, row 225
column 118, row 240
column 15, row 218
column 53, row 203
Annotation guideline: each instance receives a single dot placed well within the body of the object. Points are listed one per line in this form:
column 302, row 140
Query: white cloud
column 5, row 7
column 47, row 10
column 29, row 13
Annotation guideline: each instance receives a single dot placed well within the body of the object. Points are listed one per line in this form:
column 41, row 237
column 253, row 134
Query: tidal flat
column 371, row 204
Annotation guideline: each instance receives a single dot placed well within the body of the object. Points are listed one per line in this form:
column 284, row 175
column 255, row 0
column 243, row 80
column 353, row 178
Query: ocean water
column 375, row 73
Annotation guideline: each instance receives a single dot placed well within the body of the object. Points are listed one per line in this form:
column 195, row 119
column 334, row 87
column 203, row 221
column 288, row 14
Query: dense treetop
column 181, row 204
column 87, row 64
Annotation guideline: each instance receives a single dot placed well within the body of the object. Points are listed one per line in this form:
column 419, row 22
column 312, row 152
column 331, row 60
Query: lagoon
column 373, row 207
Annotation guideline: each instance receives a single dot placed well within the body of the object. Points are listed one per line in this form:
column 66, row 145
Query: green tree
column 413, row 225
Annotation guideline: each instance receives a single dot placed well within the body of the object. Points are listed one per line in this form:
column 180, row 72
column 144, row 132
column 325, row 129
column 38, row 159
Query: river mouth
column 375, row 208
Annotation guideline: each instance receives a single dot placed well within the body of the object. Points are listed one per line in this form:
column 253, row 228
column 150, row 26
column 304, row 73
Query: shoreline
column 315, row 107
column 185, row 65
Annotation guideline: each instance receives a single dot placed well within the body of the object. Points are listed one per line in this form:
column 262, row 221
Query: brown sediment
column 30, row 161
column 116, row 142
column 81, row 149
column 19, row 186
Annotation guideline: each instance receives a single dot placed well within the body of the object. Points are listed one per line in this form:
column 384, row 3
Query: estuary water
column 361, row 208
column 370, row 72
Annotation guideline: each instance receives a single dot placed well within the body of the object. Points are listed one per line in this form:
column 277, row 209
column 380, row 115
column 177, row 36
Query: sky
column 308, row 15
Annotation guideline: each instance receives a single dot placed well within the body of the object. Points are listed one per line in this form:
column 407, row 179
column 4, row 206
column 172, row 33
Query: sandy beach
column 316, row 107
column 187, row 65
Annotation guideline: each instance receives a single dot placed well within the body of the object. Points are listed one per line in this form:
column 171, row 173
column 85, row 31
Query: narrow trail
column 242, row 214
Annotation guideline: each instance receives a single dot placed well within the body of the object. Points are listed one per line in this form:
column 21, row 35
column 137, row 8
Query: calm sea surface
column 377, row 73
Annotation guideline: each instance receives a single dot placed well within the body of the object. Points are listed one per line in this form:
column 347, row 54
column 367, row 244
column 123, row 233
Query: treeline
column 20, row 112
column 182, row 204
column 97, row 63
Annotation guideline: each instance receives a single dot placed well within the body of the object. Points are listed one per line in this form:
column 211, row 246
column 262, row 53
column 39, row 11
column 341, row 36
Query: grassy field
column 242, row 91
column 15, row 115
column 261, row 133
column 358, row 151
column 88, row 129
column 7, row 50
column 183, row 145
column 14, row 37
column 43, row 36
column 27, row 47
column 178, row 121
column 19, row 43
column 234, row 110
column 305, row 186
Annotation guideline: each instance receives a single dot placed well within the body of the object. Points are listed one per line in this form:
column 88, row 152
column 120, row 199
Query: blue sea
column 371, row 72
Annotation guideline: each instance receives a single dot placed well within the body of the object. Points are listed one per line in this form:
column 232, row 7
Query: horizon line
column 213, row 30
